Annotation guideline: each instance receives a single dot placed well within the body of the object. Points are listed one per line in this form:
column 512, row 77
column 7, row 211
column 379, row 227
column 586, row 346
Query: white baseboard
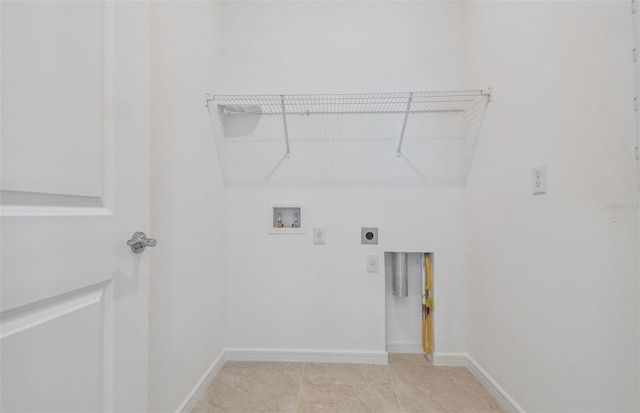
column 451, row 359
column 192, row 398
column 465, row 360
column 307, row 356
column 358, row 357
column 403, row 347
column 494, row 388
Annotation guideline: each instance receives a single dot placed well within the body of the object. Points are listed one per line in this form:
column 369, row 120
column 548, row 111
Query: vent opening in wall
column 286, row 218
column 406, row 301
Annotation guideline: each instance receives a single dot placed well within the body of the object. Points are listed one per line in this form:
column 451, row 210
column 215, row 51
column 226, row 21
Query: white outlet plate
column 319, row 234
column 539, row 179
column 373, row 263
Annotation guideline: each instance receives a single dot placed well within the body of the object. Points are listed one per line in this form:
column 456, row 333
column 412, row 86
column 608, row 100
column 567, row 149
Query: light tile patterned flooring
column 409, row 383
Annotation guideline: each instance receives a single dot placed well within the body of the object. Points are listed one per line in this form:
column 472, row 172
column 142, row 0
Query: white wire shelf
column 312, row 104
column 406, row 103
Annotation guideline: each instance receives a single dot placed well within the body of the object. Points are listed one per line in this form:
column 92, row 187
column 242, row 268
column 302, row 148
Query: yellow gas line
column 427, row 306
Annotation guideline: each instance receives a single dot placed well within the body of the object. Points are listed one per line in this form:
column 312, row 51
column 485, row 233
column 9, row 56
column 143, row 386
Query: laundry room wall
column 284, row 293
column 554, row 308
column 186, row 332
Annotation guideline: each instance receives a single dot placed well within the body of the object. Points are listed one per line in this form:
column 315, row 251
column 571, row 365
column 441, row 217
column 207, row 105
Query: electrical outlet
column 372, row 263
column 318, row 234
column 539, row 179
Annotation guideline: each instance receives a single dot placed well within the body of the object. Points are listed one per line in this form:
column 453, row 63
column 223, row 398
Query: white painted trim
column 403, row 347
column 506, row 401
column 31, row 315
column 465, row 360
column 451, row 359
column 35, row 204
column 109, row 105
column 108, row 349
column 194, row 395
column 31, row 211
column 344, row 356
column 307, row 356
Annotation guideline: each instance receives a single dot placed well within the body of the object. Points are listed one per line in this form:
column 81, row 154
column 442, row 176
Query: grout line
column 393, row 388
column 300, row 386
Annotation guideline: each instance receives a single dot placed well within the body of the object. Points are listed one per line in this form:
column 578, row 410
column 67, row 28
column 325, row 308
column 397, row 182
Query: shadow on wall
column 344, row 148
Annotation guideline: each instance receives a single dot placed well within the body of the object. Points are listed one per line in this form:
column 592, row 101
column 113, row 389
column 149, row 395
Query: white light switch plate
column 372, row 263
column 539, row 179
column 318, row 234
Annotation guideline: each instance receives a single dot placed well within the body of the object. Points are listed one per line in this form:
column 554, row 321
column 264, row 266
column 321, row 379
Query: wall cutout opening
column 286, row 218
column 404, row 299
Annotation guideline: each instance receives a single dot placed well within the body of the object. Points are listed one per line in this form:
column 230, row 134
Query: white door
column 75, row 187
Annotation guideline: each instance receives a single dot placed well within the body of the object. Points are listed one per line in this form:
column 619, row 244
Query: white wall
column 187, row 202
column 341, row 47
column 554, row 308
column 636, row 24
column 548, row 304
column 283, row 292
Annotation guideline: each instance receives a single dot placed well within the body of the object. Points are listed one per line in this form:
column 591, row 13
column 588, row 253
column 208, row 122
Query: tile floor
column 409, row 383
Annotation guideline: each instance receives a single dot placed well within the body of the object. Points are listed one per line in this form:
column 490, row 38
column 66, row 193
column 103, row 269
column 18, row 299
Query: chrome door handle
column 139, row 242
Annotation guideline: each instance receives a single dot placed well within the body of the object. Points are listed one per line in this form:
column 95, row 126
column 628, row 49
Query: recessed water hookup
column 368, row 235
column 286, row 218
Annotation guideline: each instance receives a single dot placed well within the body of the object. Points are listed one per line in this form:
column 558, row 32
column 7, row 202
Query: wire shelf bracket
column 286, row 130
column 404, row 103
column 208, row 97
column 404, row 124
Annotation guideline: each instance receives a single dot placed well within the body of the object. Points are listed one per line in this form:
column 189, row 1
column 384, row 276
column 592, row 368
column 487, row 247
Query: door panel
column 54, row 354
column 52, row 52
column 75, row 187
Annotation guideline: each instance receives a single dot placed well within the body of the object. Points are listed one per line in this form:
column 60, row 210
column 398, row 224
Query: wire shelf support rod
column 404, row 124
column 286, row 130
